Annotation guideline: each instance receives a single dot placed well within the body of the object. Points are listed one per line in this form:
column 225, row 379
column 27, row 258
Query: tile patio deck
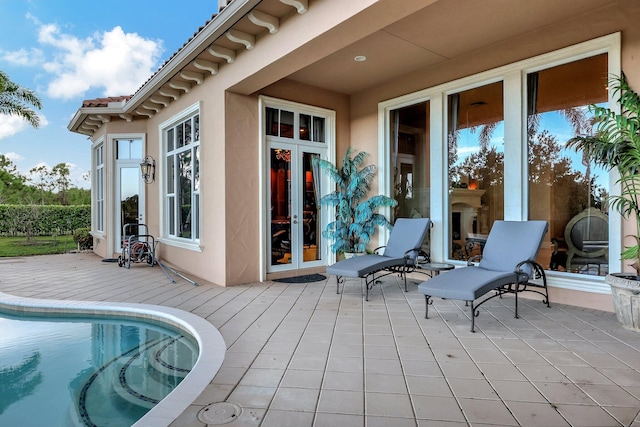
column 301, row 355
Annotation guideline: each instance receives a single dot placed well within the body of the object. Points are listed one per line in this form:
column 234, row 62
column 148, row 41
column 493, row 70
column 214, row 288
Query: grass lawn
column 40, row 245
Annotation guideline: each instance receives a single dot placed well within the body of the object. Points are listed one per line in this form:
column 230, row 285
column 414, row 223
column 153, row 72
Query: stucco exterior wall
column 229, row 111
column 242, row 225
column 242, row 158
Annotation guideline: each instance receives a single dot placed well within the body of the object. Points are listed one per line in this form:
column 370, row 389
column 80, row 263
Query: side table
column 436, row 267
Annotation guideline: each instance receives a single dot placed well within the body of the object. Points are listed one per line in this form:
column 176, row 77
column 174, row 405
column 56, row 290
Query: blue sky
column 71, row 50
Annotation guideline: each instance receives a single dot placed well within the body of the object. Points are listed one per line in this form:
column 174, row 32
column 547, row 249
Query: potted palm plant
column 356, row 219
column 616, row 145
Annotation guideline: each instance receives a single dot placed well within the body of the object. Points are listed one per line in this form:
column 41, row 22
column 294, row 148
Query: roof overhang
column 214, row 45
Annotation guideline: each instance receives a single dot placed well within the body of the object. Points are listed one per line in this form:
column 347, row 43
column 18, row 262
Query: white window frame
column 98, row 189
column 161, row 175
column 514, row 77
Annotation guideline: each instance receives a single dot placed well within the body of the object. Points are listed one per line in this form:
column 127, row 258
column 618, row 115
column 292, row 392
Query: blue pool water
column 87, row 371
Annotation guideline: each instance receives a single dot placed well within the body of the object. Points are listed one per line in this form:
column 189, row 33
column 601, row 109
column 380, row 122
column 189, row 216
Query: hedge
column 43, row 220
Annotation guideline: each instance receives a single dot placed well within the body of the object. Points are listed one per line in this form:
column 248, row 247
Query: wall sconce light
column 148, row 169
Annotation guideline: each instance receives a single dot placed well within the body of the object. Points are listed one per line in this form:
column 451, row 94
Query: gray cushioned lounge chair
column 399, row 256
column 507, row 265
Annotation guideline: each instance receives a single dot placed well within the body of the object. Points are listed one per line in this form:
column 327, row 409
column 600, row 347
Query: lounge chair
column 400, row 255
column 506, row 266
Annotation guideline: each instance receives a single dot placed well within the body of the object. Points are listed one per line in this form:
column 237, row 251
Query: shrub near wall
column 41, row 220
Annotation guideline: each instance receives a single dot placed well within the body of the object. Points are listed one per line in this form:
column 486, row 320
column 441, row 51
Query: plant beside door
column 356, row 219
column 616, row 145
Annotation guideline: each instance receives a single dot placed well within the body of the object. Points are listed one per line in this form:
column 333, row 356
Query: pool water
column 87, row 371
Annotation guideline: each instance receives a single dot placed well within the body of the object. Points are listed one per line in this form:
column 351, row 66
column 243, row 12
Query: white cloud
column 14, row 157
column 11, row 125
column 114, row 60
column 77, row 175
column 23, row 57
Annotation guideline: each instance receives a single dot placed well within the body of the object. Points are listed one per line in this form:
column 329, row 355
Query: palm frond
column 356, row 218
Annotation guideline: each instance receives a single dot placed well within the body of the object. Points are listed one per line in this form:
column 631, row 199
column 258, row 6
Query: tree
column 16, row 100
column 40, row 178
column 12, row 185
column 60, row 178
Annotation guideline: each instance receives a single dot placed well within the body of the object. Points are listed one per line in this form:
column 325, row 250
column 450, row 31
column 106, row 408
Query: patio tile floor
column 302, row 355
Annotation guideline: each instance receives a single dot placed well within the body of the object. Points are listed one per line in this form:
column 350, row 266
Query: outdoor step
column 136, row 386
column 172, row 361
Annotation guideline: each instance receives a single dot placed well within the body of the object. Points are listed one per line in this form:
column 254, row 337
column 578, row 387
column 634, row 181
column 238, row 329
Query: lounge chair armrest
column 426, row 256
column 535, row 267
column 474, row 259
column 375, row 251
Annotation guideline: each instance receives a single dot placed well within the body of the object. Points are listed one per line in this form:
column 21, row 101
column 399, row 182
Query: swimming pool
column 110, row 368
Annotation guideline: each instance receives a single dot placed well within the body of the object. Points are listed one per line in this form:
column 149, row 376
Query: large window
column 182, row 184
column 475, row 142
column 566, row 189
column 98, row 183
column 410, row 160
column 496, row 149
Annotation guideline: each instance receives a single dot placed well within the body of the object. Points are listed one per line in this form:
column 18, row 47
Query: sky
column 67, row 51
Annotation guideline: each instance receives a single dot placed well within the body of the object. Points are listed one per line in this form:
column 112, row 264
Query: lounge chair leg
column 516, row 302
column 473, row 318
column 405, row 281
column 338, row 283
column 427, row 302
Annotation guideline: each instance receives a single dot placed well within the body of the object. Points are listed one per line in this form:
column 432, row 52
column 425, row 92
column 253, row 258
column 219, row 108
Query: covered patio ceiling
column 440, row 32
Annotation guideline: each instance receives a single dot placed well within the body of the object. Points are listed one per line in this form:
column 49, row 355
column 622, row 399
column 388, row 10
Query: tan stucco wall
column 242, row 156
column 229, row 115
column 581, row 28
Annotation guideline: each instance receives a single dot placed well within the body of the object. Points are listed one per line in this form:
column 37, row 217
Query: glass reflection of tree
column 129, row 209
column 17, row 382
column 547, row 167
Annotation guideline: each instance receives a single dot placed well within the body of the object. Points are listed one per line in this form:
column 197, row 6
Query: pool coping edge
column 211, row 345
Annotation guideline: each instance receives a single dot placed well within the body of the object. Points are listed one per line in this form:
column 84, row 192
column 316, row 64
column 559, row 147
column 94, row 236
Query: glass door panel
column 280, row 177
column 295, row 228
column 310, row 223
column 129, row 199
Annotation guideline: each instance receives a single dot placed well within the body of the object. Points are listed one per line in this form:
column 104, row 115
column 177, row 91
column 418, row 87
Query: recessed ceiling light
column 360, row 58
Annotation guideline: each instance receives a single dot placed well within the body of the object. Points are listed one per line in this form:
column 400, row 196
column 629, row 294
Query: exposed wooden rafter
column 170, row 92
column 151, row 106
column 302, row 6
column 159, row 99
column 205, row 65
column 191, row 72
column 241, row 37
column 144, row 112
column 193, row 76
column 265, row 20
column 222, row 52
column 183, row 86
column 89, row 126
column 93, row 122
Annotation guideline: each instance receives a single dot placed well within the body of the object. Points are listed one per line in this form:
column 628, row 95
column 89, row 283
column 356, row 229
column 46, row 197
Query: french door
column 129, row 188
column 293, row 135
column 294, row 190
